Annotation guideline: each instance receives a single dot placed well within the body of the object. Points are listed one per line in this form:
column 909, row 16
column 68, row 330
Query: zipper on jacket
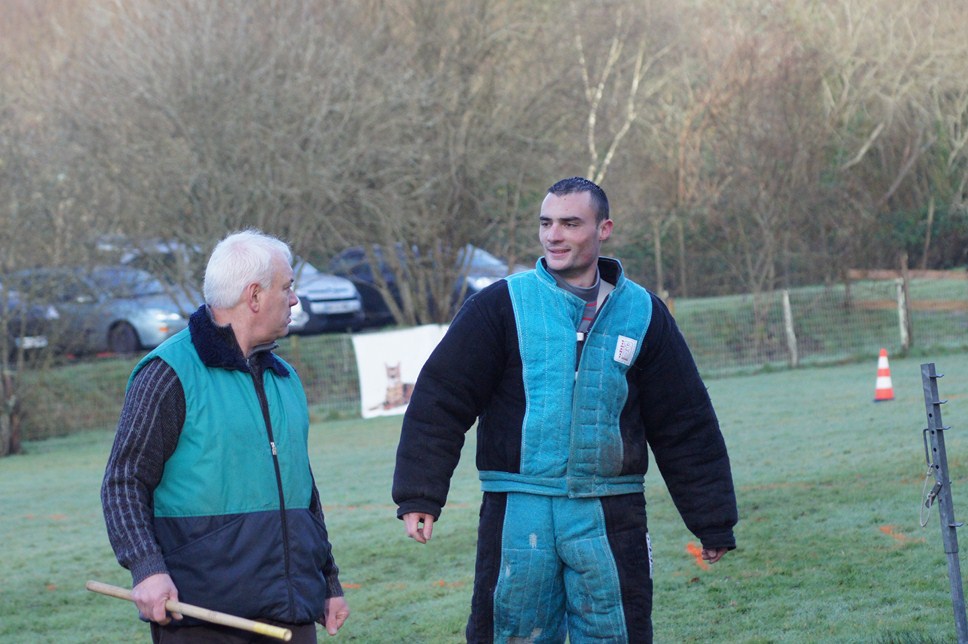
column 258, row 381
column 605, row 290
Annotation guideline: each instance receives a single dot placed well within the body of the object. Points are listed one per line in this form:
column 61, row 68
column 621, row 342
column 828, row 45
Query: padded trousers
column 551, row 567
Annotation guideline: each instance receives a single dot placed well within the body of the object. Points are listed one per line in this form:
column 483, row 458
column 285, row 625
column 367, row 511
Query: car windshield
column 480, row 258
column 304, row 269
column 126, row 282
column 44, row 285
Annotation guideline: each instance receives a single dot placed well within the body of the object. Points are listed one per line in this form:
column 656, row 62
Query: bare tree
column 423, row 127
column 888, row 66
column 767, row 144
column 205, row 117
column 38, row 193
column 615, row 75
column 459, row 154
column 201, row 117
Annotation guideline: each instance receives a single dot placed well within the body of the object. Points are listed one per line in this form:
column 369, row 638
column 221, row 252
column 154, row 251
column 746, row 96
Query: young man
column 570, row 371
column 208, row 494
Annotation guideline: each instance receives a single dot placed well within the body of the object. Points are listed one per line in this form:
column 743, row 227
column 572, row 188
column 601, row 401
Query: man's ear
column 252, row 294
column 606, row 230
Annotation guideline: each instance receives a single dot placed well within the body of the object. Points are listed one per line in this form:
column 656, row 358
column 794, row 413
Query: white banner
column 388, row 364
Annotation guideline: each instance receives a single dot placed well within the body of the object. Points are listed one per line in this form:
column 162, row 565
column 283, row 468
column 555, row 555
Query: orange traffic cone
column 883, row 390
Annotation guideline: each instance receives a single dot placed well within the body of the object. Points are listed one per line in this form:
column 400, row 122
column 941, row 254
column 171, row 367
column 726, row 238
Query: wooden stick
column 197, row 612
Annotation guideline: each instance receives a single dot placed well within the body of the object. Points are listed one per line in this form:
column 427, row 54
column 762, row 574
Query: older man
column 208, row 494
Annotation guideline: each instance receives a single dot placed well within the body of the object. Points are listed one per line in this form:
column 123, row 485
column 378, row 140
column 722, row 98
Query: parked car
column 106, row 308
column 298, row 317
column 26, row 325
column 330, row 303
column 480, row 268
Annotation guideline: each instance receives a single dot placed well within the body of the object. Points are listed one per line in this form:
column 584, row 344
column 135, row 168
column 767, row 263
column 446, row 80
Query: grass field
column 830, row 547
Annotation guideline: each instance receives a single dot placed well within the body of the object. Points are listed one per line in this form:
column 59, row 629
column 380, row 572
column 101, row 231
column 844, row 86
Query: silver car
column 113, row 309
column 327, row 302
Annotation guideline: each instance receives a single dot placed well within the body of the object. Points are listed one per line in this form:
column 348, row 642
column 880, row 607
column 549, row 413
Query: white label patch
column 625, row 349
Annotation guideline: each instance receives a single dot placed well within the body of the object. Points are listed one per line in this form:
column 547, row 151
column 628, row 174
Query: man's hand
column 712, row 555
column 337, row 610
column 416, row 531
column 150, row 596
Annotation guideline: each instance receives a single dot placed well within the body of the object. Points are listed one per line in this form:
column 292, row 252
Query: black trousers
column 215, row 634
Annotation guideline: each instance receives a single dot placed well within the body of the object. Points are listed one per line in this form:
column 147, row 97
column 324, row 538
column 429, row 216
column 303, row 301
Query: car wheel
column 123, row 339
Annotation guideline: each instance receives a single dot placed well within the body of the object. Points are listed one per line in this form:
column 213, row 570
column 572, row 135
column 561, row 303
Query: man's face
column 276, row 302
column 570, row 237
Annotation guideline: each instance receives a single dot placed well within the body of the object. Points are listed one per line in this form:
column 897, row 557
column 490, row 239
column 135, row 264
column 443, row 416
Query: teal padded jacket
column 507, row 363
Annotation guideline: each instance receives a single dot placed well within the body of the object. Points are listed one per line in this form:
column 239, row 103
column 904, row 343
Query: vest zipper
column 604, row 290
column 258, row 381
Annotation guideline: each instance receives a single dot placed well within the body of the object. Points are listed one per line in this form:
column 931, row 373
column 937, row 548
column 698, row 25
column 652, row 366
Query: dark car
column 106, row 308
column 479, row 267
column 25, row 326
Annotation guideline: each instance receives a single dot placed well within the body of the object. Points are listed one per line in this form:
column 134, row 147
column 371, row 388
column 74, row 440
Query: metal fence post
column 902, row 315
column 791, row 335
column 937, row 458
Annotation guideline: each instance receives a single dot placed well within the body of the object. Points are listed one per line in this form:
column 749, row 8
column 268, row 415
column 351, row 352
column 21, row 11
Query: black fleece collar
column 217, row 347
column 610, row 270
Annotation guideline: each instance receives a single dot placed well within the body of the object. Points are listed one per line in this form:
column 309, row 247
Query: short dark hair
column 581, row 184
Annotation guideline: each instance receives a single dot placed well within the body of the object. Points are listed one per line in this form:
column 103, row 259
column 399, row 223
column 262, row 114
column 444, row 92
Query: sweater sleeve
column 151, row 420
column 453, row 388
column 330, row 570
column 683, row 433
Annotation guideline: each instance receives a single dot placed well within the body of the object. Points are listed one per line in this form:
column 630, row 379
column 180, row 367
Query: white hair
column 241, row 259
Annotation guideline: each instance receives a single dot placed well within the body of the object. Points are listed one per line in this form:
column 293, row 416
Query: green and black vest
column 232, row 508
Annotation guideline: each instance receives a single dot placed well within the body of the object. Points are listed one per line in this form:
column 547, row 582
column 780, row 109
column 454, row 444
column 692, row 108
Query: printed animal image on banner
column 398, row 391
column 389, row 363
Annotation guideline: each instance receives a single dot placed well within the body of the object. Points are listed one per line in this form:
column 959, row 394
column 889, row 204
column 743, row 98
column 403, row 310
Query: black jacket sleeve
column 453, row 388
column 683, row 433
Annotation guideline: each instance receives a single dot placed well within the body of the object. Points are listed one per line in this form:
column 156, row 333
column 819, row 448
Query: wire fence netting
column 828, row 325
column 727, row 335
